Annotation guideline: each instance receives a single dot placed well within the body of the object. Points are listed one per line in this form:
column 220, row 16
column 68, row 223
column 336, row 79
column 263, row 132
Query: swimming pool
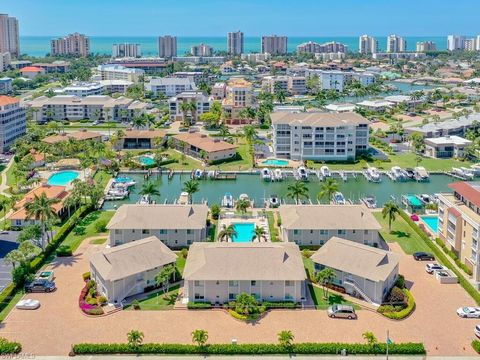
column 275, row 162
column 413, row 200
column 244, row 232
column 432, row 222
column 146, row 160
column 62, row 178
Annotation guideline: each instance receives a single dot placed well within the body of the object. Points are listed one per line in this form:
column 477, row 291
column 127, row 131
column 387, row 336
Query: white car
column 46, row 275
column 432, row 267
column 28, row 304
column 477, row 331
column 469, row 312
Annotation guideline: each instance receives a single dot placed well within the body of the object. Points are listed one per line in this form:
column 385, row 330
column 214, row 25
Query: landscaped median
column 251, row 349
column 9, row 347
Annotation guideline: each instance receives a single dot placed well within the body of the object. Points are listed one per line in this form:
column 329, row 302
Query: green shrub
column 198, row 305
column 402, row 313
column 91, row 300
column 86, row 276
column 101, row 226
column 400, row 281
column 242, row 317
column 91, row 284
column 279, row 305
column 64, row 251
column 102, row 300
column 250, row 349
column 9, row 347
column 476, row 346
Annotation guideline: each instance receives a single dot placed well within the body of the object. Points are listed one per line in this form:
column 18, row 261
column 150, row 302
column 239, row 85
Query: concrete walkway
column 3, row 185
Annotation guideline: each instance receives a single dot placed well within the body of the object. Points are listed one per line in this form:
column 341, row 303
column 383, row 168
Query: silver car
column 342, row 311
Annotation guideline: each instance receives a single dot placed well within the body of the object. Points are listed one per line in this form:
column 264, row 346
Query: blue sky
column 254, row 17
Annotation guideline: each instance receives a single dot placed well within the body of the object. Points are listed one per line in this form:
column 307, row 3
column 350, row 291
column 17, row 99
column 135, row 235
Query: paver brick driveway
column 59, row 323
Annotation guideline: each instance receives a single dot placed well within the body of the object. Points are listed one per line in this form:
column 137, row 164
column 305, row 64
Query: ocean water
column 40, row 45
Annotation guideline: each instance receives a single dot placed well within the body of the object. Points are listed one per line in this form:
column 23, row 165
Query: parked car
column 28, row 304
column 45, row 275
column 477, row 331
column 423, row 256
column 342, row 311
column 469, row 312
column 40, row 285
column 431, row 268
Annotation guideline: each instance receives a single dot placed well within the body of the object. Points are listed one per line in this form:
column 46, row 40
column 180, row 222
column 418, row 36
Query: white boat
column 398, row 174
column 325, row 171
column 421, row 174
column 273, row 201
column 144, row 200
column 129, row 182
column 476, row 169
column 373, row 175
column 278, row 174
column 198, row 174
column 462, row 173
column 212, row 174
column 370, row 201
column 266, row 174
column 339, row 199
column 227, row 200
column 183, row 199
column 301, row 173
column 118, row 192
column 425, row 198
column 469, row 173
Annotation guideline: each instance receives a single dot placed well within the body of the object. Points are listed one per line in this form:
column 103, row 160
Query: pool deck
column 257, row 219
column 45, row 175
column 290, row 163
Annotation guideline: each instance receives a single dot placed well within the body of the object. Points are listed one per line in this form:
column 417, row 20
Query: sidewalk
column 3, row 185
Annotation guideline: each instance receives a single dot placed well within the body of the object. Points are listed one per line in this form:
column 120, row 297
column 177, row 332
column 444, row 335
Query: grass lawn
column 159, row 300
column 272, row 226
column 102, row 177
column 244, row 162
column 321, row 303
column 309, row 267
column 180, row 263
column 86, row 228
column 401, row 233
column 11, row 303
column 10, row 178
column 187, row 164
column 98, row 241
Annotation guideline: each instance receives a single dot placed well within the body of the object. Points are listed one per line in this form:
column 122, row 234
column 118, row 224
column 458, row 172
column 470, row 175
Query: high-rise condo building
column 455, row 42
column 424, row 46
column 396, row 44
column 315, row 48
column 275, row 45
column 167, row 46
column 367, row 45
column 14, row 121
column 126, row 50
column 73, row 44
column 201, row 50
column 9, row 38
column 235, row 43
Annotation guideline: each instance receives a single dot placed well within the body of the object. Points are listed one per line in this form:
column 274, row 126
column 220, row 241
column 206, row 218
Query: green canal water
column 251, row 184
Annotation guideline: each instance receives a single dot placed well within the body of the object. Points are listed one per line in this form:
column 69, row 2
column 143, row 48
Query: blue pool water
column 146, row 160
column 432, row 222
column 275, row 162
column 62, row 178
column 244, row 232
column 122, row 179
column 413, row 200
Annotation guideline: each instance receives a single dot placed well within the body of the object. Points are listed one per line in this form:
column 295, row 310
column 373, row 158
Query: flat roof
column 447, row 140
column 318, row 119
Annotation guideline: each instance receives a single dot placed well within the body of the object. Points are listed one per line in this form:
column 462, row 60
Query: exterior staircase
column 353, row 284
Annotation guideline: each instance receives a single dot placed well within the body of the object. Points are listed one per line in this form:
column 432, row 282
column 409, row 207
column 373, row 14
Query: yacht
column 266, row 174
column 144, row 200
column 183, row 199
column 273, row 201
column 373, row 175
column 370, row 201
column 278, row 174
column 398, row 174
column 129, row 182
column 421, row 174
column 339, row 199
column 410, row 173
column 227, row 200
column 425, row 198
column 325, row 171
column 198, row 174
column 469, row 173
column 301, row 173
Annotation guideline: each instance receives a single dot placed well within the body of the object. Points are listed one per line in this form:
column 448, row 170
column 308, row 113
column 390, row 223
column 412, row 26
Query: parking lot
column 52, row 329
column 7, row 244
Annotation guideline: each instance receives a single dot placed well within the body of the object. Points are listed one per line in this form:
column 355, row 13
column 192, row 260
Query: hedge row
column 9, row 347
column 250, row 349
column 198, row 305
column 443, row 258
column 402, row 314
column 476, row 346
column 453, row 256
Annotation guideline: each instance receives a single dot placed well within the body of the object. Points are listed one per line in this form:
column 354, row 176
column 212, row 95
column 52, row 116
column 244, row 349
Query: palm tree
column 259, row 233
column 325, row 277
column 297, row 190
column 285, row 338
column 41, row 209
column 135, row 338
column 227, row 233
column 200, row 337
column 390, row 209
column 242, row 205
column 149, row 188
column 139, row 122
column 327, row 189
column 250, row 133
column 191, row 187
column 163, row 277
column 4, row 202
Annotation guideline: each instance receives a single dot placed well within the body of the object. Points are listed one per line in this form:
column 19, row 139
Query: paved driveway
column 7, row 244
column 59, row 323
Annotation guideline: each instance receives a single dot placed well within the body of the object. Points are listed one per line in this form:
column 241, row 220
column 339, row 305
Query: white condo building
column 170, row 86
column 424, row 46
column 315, row 48
column 202, row 105
column 119, row 72
column 367, row 45
column 275, row 45
column 455, row 42
column 126, row 50
column 14, row 121
column 319, row 136
column 396, row 44
column 167, row 46
column 235, row 43
column 201, row 50
column 336, row 80
column 73, row 44
column 9, row 35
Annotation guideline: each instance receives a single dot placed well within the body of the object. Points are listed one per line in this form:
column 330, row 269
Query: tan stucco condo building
column 459, row 223
column 129, row 269
column 316, row 224
column 175, row 225
column 218, row 272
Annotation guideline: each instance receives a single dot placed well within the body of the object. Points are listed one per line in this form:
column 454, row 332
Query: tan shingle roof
column 144, row 134
column 310, row 217
column 136, row 216
column 77, row 135
column 244, row 261
column 357, row 259
column 132, row 258
column 204, row 142
column 318, row 118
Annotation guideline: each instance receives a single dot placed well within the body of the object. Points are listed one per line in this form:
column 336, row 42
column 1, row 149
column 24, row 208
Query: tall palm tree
column 41, row 209
column 139, row 122
column 149, row 188
column 250, row 133
column 191, row 187
column 325, row 277
column 242, row 205
column 390, row 210
column 259, row 233
column 297, row 190
column 327, row 189
column 227, row 233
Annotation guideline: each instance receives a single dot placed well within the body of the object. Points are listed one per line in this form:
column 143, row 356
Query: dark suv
column 423, row 256
column 40, row 285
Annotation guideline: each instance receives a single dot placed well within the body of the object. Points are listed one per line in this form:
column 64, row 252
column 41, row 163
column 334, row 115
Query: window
column 296, row 232
column 288, row 283
column 323, row 232
column 253, row 283
column 365, row 232
column 145, row 232
column 232, row 296
column 233, row 283
column 341, row 232
column 189, row 231
column 198, row 296
column 117, row 231
column 198, row 283
column 163, row 232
